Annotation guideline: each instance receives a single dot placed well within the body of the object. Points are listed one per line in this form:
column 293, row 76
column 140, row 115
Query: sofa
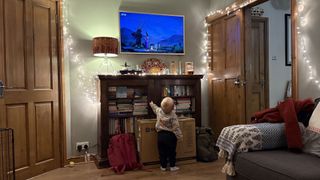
column 282, row 164
column 276, row 165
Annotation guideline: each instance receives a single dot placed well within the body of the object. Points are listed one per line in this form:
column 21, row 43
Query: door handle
column 1, row 89
column 237, row 82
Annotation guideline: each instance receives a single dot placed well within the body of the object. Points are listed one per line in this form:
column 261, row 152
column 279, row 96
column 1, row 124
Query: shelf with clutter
column 124, row 100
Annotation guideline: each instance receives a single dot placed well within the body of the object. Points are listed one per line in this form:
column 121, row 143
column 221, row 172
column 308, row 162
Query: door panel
column 15, row 29
column 44, row 138
column 30, row 105
column 233, row 46
column 17, row 119
column 218, row 48
column 227, row 82
column 234, row 103
column 218, row 103
column 42, row 55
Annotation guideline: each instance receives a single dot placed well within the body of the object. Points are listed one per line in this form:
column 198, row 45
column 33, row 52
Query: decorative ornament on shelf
column 126, row 70
column 153, row 66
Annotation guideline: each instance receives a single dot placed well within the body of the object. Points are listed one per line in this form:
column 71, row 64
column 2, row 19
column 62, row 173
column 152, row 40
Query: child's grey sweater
column 167, row 122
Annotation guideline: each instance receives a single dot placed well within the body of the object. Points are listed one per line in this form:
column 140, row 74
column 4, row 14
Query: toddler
column 169, row 132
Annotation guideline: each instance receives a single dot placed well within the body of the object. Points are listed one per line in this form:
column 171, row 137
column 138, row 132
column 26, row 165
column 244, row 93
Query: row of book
column 177, row 91
column 123, row 125
column 134, row 107
column 140, row 106
column 125, row 92
column 185, row 105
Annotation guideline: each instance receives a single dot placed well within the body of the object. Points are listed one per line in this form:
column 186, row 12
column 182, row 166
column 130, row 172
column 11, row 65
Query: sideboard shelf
column 124, row 99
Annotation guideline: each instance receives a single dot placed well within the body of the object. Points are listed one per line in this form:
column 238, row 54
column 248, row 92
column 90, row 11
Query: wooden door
column 217, row 82
column 227, row 82
column 257, row 96
column 29, row 70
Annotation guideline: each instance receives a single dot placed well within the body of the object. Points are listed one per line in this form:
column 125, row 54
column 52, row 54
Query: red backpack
column 122, row 153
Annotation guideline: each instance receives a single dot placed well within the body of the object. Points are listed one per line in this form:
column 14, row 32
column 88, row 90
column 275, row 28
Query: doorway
column 260, row 82
column 268, row 57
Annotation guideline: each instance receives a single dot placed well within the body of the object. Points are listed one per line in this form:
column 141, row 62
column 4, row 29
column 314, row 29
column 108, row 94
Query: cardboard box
column 147, row 141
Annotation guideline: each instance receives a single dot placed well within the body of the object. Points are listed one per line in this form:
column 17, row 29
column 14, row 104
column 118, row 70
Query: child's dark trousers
column 167, row 143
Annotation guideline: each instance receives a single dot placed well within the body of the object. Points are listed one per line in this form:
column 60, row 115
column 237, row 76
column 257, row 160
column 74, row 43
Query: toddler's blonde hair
column 167, row 105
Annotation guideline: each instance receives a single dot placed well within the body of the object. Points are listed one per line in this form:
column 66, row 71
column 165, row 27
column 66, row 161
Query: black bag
column 205, row 145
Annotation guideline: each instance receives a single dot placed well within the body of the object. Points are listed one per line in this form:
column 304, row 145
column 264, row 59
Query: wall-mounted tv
column 143, row 33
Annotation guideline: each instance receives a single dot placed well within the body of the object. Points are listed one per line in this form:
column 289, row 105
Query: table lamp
column 105, row 47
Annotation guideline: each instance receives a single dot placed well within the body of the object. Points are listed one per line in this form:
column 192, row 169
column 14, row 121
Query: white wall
column 93, row 18
column 279, row 74
column 219, row 4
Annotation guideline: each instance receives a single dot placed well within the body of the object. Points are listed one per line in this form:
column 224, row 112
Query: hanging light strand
column 85, row 79
column 303, row 52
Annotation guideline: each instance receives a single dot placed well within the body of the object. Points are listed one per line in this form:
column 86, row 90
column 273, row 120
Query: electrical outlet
column 82, row 146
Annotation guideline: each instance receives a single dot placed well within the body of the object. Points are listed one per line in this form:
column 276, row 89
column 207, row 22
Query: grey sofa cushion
column 278, row 165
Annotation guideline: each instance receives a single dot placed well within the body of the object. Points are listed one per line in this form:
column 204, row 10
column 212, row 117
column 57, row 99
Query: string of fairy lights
column 302, row 21
column 304, row 54
column 86, row 79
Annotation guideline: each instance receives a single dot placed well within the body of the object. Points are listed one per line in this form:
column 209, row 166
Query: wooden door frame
column 294, row 39
column 62, row 103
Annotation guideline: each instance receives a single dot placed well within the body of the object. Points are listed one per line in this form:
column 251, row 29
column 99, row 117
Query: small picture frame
column 288, row 39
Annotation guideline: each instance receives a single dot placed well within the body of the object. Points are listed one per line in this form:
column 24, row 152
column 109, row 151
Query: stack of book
column 183, row 105
column 140, row 106
column 124, row 106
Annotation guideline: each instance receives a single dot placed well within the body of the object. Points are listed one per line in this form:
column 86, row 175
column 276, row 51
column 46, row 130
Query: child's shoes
column 175, row 168
column 162, row 169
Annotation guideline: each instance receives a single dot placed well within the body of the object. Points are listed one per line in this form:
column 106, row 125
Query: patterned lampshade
column 105, row 47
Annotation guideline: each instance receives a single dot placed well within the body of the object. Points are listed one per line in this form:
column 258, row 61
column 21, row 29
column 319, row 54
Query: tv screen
column 143, row 33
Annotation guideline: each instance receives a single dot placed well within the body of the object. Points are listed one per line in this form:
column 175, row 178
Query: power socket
column 82, row 146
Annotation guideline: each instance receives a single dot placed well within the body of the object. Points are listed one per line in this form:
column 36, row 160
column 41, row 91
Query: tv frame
column 172, row 54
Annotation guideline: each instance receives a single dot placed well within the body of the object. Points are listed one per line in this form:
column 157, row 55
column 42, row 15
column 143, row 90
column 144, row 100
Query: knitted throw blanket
column 244, row 138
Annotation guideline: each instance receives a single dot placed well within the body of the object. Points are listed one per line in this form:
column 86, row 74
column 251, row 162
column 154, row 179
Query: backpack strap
column 119, row 170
